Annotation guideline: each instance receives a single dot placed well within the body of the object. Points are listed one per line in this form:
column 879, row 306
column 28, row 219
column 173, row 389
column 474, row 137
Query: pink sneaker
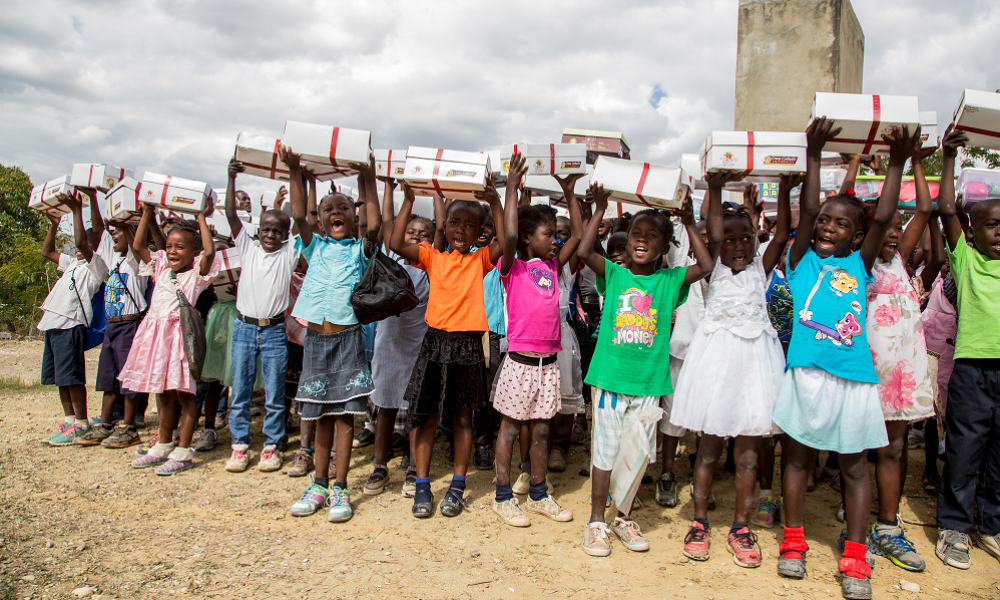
column 744, row 548
column 697, row 542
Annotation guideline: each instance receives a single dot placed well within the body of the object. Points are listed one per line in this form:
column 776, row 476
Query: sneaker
column 207, row 440
column 697, row 542
column 781, row 509
column 523, row 484
column 377, row 482
column 990, row 544
column 891, row 543
column 69, row 435
column 557, row 462
column 410, row 483
column 339, row 502
column 123, row 437
column 511, row 513
column 744, row 548
column 953, row 549
column 853, row 588
column 482, row 457
column 302, row 463
column 595, row 539
column 666, row 490
column 628, row 532
column 364, row 438
column 764, row 515
column 152, row 441
column 270, row 460
column 548, row 507
column 172, row 467
column 148, row 460
column 239, row 460
column 97, row 434
column 452, row 504
column 62, row 427
column 312, row 498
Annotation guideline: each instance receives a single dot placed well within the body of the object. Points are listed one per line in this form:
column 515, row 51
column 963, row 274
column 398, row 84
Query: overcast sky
column 167, row 86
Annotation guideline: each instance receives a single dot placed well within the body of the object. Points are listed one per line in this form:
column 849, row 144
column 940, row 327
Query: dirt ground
column 80, row 517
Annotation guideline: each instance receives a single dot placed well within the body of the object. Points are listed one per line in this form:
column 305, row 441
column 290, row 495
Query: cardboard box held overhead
column 977, row 184
column 259, row 156
column 341, row 148
column 552, row 159
column 760, row 155
column 929, row 129
column 547, row 185
column 390, row 163
column 864, row 118
column 978, row 115
column 229, row 275
column 98, row 176
column 122, row 202
column 645, row 184
column 175, row 193
column 43, row 197
column 446, row 173
column 598, row 143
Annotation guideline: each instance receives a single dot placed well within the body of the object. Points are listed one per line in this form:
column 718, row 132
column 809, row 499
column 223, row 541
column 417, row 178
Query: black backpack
column 385, row 290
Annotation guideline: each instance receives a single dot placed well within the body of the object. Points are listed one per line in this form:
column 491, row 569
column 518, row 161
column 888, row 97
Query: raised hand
column 819, row 132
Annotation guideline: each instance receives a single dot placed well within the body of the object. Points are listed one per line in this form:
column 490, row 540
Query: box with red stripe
column 978, row 115
column 446, row 173
column 759, row 155
column 229, row 275
column 929, row 129
column 97, row 176
column 547, row 185
column 174, row 193
column 259, row 156
column 390, row 163
column 645, row 184
column 332, row 152
column 122, row 202
column 863, row 118
column 43, row 197
column 552, row 159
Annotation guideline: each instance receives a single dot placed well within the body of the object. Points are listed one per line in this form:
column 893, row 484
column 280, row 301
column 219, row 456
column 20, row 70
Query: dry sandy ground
column 73, row 517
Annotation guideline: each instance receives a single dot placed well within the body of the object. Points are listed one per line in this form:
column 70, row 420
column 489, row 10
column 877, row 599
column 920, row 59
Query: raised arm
column 496, row 207
column 853, row 166
column 914, row 231
column 817, row 134
column 148, row 221
column 514, row 175
column 207, row 242
column 388, row 209
column 96, row 219
column 369, row 195
column 568, row 252
column 79, row 230
column 705, row 260
column 235, row 224
column 902, row 146
column 783, row 226
column 440, row 210
column 946, row 192
column 49, row 243
column 934, row 255
column 586, row 250
column 296, row 194
column 397, row 242
column 713, row 226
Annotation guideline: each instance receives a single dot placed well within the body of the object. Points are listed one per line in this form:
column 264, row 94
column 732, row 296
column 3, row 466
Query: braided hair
column 189, row 227
column 740, row 214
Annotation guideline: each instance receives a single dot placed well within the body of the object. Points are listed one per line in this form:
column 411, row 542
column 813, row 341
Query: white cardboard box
column 645, row 184
column 552, row 159
column 327, row 146
column 259, row 156
column 390, row 163
column 98, row 176
column 446, row 173
column 546, row 185
column 229, row 275
column 122, row 202
column 760, row 155
column 978, row 115
column 691, row 167
column 174, row 193
column 863, row 119
column 929, row 129
column 43, row 197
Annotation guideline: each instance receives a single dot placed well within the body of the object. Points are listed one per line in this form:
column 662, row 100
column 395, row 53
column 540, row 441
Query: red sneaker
column 744, row 548
column 696, row 542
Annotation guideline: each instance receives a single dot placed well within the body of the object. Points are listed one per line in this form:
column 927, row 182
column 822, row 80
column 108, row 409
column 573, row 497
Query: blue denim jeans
column 249, row 341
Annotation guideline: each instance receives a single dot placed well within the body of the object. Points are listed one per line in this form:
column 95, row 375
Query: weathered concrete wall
column 786, row 51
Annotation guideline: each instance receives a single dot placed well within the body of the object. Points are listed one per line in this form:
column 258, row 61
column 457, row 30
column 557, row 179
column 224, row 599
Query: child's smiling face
column 336, row 215
column 646, row 240
column 836, row 230
column 986, row 231
column 892, row 237
column 121, row 242
column 418, row 231
column 181, row 250
column 737, row 244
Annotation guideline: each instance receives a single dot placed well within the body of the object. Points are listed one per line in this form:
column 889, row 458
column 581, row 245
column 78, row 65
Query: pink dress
column 940, row 325
column 896, row 338
column 156, row 361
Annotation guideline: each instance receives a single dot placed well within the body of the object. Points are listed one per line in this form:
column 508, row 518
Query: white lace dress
column 734, row 366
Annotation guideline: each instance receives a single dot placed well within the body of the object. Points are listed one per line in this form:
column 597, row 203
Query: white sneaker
column 270, row 459
column 239, row 460
column 522, row 485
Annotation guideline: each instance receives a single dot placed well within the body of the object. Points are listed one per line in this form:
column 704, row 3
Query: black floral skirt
column 449, row 374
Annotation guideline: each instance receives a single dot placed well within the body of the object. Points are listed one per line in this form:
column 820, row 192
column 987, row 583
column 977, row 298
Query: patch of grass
column 16, row 382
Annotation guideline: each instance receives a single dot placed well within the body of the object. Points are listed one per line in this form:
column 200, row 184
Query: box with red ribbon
column 759, row 155
column 929, row 129
column 645, row 184
column 551, row 159
column 174, row 193
column 446, row 173
column 390, row 163
column 259, row 156
column 331, row 152
column 598, row 143
column 229, row 275
column 97, row 176
column 863, row 118
column 547, row 185
column 978, row 115
column 122, row 202
column 43, row 197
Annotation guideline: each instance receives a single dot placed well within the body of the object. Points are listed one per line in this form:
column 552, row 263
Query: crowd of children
column 815, row 337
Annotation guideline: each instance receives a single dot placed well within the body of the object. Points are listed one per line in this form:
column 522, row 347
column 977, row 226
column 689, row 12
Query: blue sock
column 704, row 522
column 457, row 486
column 423, row 490
column 736, row 527
column 504, row 493
column 537, row 491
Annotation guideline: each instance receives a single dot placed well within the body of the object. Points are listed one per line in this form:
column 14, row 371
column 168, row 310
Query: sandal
column 423, row 510
column 452, row 504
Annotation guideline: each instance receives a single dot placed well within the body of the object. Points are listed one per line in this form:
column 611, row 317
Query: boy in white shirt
column 67, row 314
column 262, row 295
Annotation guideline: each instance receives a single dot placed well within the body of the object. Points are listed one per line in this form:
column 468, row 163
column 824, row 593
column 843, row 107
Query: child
column 732, row 371
column 630, row 368
column 65, row 319
column 156, row 363
column 266, row 268
column 528, row 385
column 906, row 388
column 397, row 344
column 829, row 396
column 124, row 305
column 447, row 379
column 336, row 380
column 971, row 426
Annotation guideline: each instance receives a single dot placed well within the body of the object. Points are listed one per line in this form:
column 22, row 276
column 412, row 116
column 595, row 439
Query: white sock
column 81, row 422
column 69, row 420
column 766, row 493
column 181, row 454
column 161, row 450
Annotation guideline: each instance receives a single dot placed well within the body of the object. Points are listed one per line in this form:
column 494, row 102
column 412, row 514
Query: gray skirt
column 335, row 376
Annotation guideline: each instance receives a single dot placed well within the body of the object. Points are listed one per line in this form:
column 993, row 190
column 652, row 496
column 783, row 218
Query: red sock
column 794, row 545
column 852, row 563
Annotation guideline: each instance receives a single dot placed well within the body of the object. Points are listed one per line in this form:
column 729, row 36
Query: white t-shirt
column 124, row 275
column 64, row 308
column 265, row 277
